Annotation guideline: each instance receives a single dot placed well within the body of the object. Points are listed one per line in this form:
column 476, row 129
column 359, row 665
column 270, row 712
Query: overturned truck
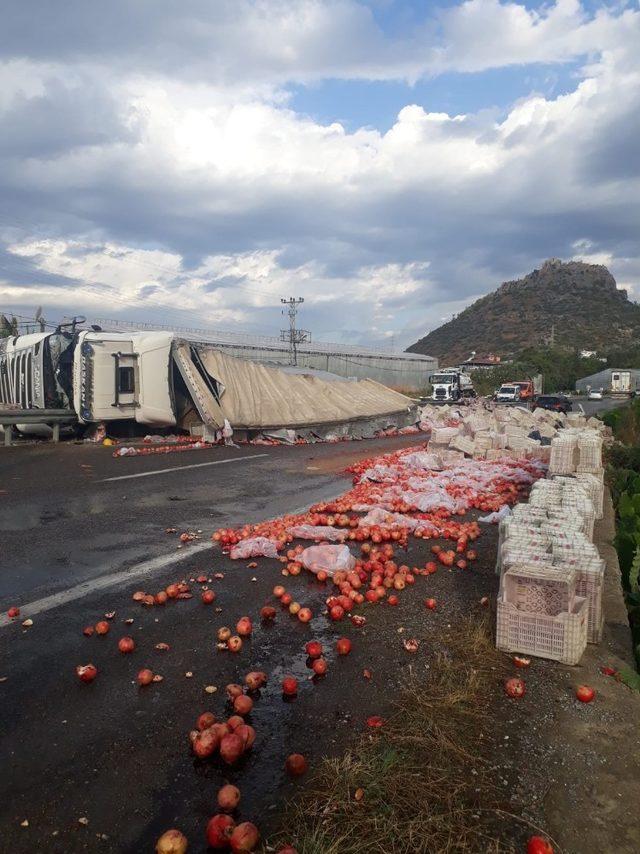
column 160, row 381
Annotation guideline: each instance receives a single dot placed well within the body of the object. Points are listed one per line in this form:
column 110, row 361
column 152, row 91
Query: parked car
column 554, row 402
column 595, row 394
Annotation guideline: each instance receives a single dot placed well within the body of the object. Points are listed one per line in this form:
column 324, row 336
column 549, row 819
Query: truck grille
column 16, row 379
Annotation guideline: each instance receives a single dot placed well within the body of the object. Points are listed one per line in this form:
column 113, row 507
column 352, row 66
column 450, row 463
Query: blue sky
column 357, row 103
column 388, row 161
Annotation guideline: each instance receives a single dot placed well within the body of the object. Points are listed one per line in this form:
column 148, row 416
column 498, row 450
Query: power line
column 292, row 335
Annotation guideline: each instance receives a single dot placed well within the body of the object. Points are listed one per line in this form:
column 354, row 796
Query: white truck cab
column 118, row 376
column 451, row 384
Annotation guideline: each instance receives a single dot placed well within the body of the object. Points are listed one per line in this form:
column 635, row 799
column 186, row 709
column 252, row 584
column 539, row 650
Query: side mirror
column 430, row 379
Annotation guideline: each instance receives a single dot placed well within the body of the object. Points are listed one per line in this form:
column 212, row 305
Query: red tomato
column 585, row 694
column 515, row 688
column 539, row 845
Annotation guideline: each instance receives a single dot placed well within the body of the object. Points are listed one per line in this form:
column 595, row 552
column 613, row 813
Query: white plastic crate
column 561, row 638
column 515, row 554
column 589, row 584
column 589, row 451
column 539, row 589
column 594, row 485
column 564, row 454
column 462, row 443
column 443, row 435
column 528, row 512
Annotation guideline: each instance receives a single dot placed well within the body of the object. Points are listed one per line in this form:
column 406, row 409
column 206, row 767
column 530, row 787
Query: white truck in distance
column 451, row 384
column 621, row 382
column 508, row 394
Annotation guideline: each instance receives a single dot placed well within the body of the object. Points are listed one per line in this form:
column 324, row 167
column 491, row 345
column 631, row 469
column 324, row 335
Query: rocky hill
column 579, row 304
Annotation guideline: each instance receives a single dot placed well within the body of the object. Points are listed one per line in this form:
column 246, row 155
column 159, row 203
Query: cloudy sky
column 387, row 160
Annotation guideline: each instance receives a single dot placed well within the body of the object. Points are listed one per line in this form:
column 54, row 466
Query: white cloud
column 262, row 43
column 209, row 193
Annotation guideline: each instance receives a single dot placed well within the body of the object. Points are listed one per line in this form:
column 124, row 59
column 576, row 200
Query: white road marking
column 123, row 576
column 182, row 468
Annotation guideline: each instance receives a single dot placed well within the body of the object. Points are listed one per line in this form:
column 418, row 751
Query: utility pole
column 292, row 335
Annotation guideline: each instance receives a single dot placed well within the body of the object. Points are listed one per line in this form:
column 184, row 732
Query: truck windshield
column 507, row 389
column 443, row 378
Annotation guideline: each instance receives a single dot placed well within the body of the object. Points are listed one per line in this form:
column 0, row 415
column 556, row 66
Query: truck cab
column 128, row 377
column 451, row 384
column 526, row 387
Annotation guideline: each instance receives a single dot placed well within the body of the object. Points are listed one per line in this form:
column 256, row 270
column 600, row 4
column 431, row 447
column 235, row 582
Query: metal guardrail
column 51, row 417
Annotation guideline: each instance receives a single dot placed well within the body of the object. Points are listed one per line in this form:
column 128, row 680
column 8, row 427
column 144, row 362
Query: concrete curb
column 617, row 635
column 591, row 805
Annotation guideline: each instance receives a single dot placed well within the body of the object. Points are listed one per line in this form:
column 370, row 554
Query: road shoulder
column 591, row 804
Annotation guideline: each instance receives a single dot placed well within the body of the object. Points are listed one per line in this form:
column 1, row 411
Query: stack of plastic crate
column 554, row 540
column 562, row 496
column 593, row 482
column 564, row 453
column 575, row 498
column 539, row 613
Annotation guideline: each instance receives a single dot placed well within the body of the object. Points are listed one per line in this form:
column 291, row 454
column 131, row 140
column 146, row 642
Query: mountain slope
column 580, row 301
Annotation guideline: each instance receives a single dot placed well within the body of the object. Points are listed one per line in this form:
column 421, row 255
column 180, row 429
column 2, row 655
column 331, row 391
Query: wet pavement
column 62, row 522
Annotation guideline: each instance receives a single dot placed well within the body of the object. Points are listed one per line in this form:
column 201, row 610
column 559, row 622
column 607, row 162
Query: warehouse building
column 621, row 380
column 408, row 372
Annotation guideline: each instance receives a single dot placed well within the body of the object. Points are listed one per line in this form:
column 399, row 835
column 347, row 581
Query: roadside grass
column 422, row 783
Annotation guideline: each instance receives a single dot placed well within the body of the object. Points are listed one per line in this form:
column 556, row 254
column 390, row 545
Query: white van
column 508, row 394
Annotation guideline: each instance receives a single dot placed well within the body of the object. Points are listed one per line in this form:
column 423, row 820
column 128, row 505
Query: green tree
column 8, row 328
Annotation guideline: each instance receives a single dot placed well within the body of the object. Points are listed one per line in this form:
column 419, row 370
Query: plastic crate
column 564, row 454
column 513, row 553
column 560, row 638
column 589, row 585
column 595, row 487
column 590, row 451
column 539, row 589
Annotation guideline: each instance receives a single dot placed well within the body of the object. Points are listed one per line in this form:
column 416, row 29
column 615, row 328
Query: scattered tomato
column 515, row 688
column 585, row 694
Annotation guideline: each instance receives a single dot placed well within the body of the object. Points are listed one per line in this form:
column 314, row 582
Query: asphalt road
column 64, row 521
column 595, row 407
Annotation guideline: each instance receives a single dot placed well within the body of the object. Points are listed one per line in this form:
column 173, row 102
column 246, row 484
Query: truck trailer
column 621, row 382
column 160, row 380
